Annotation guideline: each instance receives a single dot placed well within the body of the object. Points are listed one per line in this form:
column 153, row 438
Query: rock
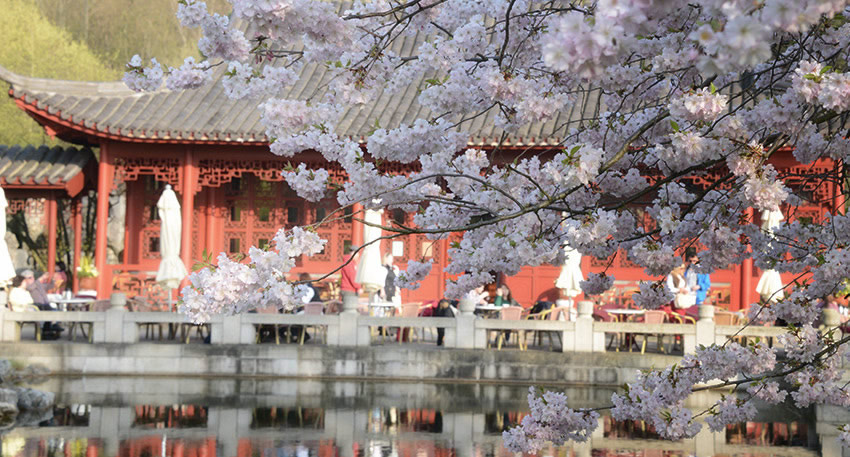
column 34, row 399
column 33, row 374
column 34, row 417
column 5, row 369
column 8, row 407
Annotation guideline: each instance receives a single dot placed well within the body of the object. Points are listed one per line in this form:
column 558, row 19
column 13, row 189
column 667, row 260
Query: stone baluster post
column 114, row 329
column 584, row 339
column 705, row 334
column 465, row 336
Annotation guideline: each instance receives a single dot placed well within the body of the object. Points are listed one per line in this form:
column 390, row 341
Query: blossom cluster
column 550, row 420
column 311, row 185
column 231, row 287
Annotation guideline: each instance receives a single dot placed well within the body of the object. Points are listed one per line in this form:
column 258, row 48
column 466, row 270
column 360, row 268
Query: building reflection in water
column 359, row 430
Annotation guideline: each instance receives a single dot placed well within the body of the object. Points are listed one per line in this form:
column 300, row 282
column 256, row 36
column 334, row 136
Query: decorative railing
column 349, row 328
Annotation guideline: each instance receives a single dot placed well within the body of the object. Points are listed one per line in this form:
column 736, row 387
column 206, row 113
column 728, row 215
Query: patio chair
column 314, row 309
column 509, row 313
column 86, row 327
column 139, row 305
column 409, row 310
column 652, row 317
column 677, row 318
column 36, row 324
column 725, row 318
column 552, row 314
column 259, row 327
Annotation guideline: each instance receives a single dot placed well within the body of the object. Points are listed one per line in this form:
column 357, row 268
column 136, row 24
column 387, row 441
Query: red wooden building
column 214, row 153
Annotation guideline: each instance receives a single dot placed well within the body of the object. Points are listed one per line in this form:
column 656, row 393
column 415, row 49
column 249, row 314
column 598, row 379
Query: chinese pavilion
column 214, row 153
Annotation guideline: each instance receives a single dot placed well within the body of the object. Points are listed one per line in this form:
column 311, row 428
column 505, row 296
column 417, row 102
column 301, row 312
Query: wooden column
column 746, row 275
column 51, row 233
column 187, row 207
column 357, row 227
column 77, row 221
column 105, row 171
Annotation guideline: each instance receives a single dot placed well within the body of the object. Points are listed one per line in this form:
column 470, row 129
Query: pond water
column 152, row 417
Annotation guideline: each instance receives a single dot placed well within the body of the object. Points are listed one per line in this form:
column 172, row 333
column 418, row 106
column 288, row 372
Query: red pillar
column 77, row 220
column 51, row 233
column 187, row 207
column 357, row 227
column 746, row 274
column 105, row 170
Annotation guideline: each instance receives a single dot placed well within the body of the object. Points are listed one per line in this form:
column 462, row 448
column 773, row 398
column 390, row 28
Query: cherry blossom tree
column 671, row 89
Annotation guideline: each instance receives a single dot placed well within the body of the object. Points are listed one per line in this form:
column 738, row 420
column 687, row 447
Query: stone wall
column 396, row 362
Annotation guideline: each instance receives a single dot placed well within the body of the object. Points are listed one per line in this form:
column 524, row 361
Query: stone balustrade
column 349, row 328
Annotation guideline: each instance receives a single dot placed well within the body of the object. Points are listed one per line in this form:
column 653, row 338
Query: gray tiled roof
column 206, row 114
column 42, row 164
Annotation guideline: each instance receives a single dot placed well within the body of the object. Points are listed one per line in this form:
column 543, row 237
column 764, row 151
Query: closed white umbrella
column 571, row 276
column 370, row 273
column 770, row 284
column 171, row 268
column 7, row 269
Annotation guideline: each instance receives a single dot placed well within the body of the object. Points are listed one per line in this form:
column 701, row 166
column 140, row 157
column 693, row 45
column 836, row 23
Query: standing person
column 683, row 296
column 349, row 287
column 699, row 283
column 443, row 310
column 390, row 292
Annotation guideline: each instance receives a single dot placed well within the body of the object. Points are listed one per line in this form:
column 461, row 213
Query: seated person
column 19, row 298
column 55, row 283
column 482, row 297
column 37, row 291
column 313, row 294
column 504, row 297
column 39, row 298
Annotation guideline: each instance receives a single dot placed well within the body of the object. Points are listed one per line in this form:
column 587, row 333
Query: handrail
column 544, row 325
column 415, row 322
column 640, row 327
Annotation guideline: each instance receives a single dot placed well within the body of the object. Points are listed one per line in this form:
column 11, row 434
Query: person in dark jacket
column 443, row 310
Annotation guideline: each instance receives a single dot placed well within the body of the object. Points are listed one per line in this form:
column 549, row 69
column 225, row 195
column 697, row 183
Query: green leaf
column 674, row 125
column 825, row 69
column 712, row 88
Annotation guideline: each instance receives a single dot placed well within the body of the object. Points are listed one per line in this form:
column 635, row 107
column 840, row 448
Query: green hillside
column 34, row 47
column 84, row 40
column 115, row 30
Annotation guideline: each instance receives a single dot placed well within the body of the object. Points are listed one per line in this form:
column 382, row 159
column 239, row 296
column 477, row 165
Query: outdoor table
column 382, row 306
column 488, row 311
column 73, row 304
column 623, row 315
column 626, row 315
column 382, row 309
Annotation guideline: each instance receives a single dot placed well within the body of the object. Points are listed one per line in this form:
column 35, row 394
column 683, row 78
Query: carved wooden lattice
column 166, row 170
column 215, row 172
column 326, row 255
column 29, row 205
